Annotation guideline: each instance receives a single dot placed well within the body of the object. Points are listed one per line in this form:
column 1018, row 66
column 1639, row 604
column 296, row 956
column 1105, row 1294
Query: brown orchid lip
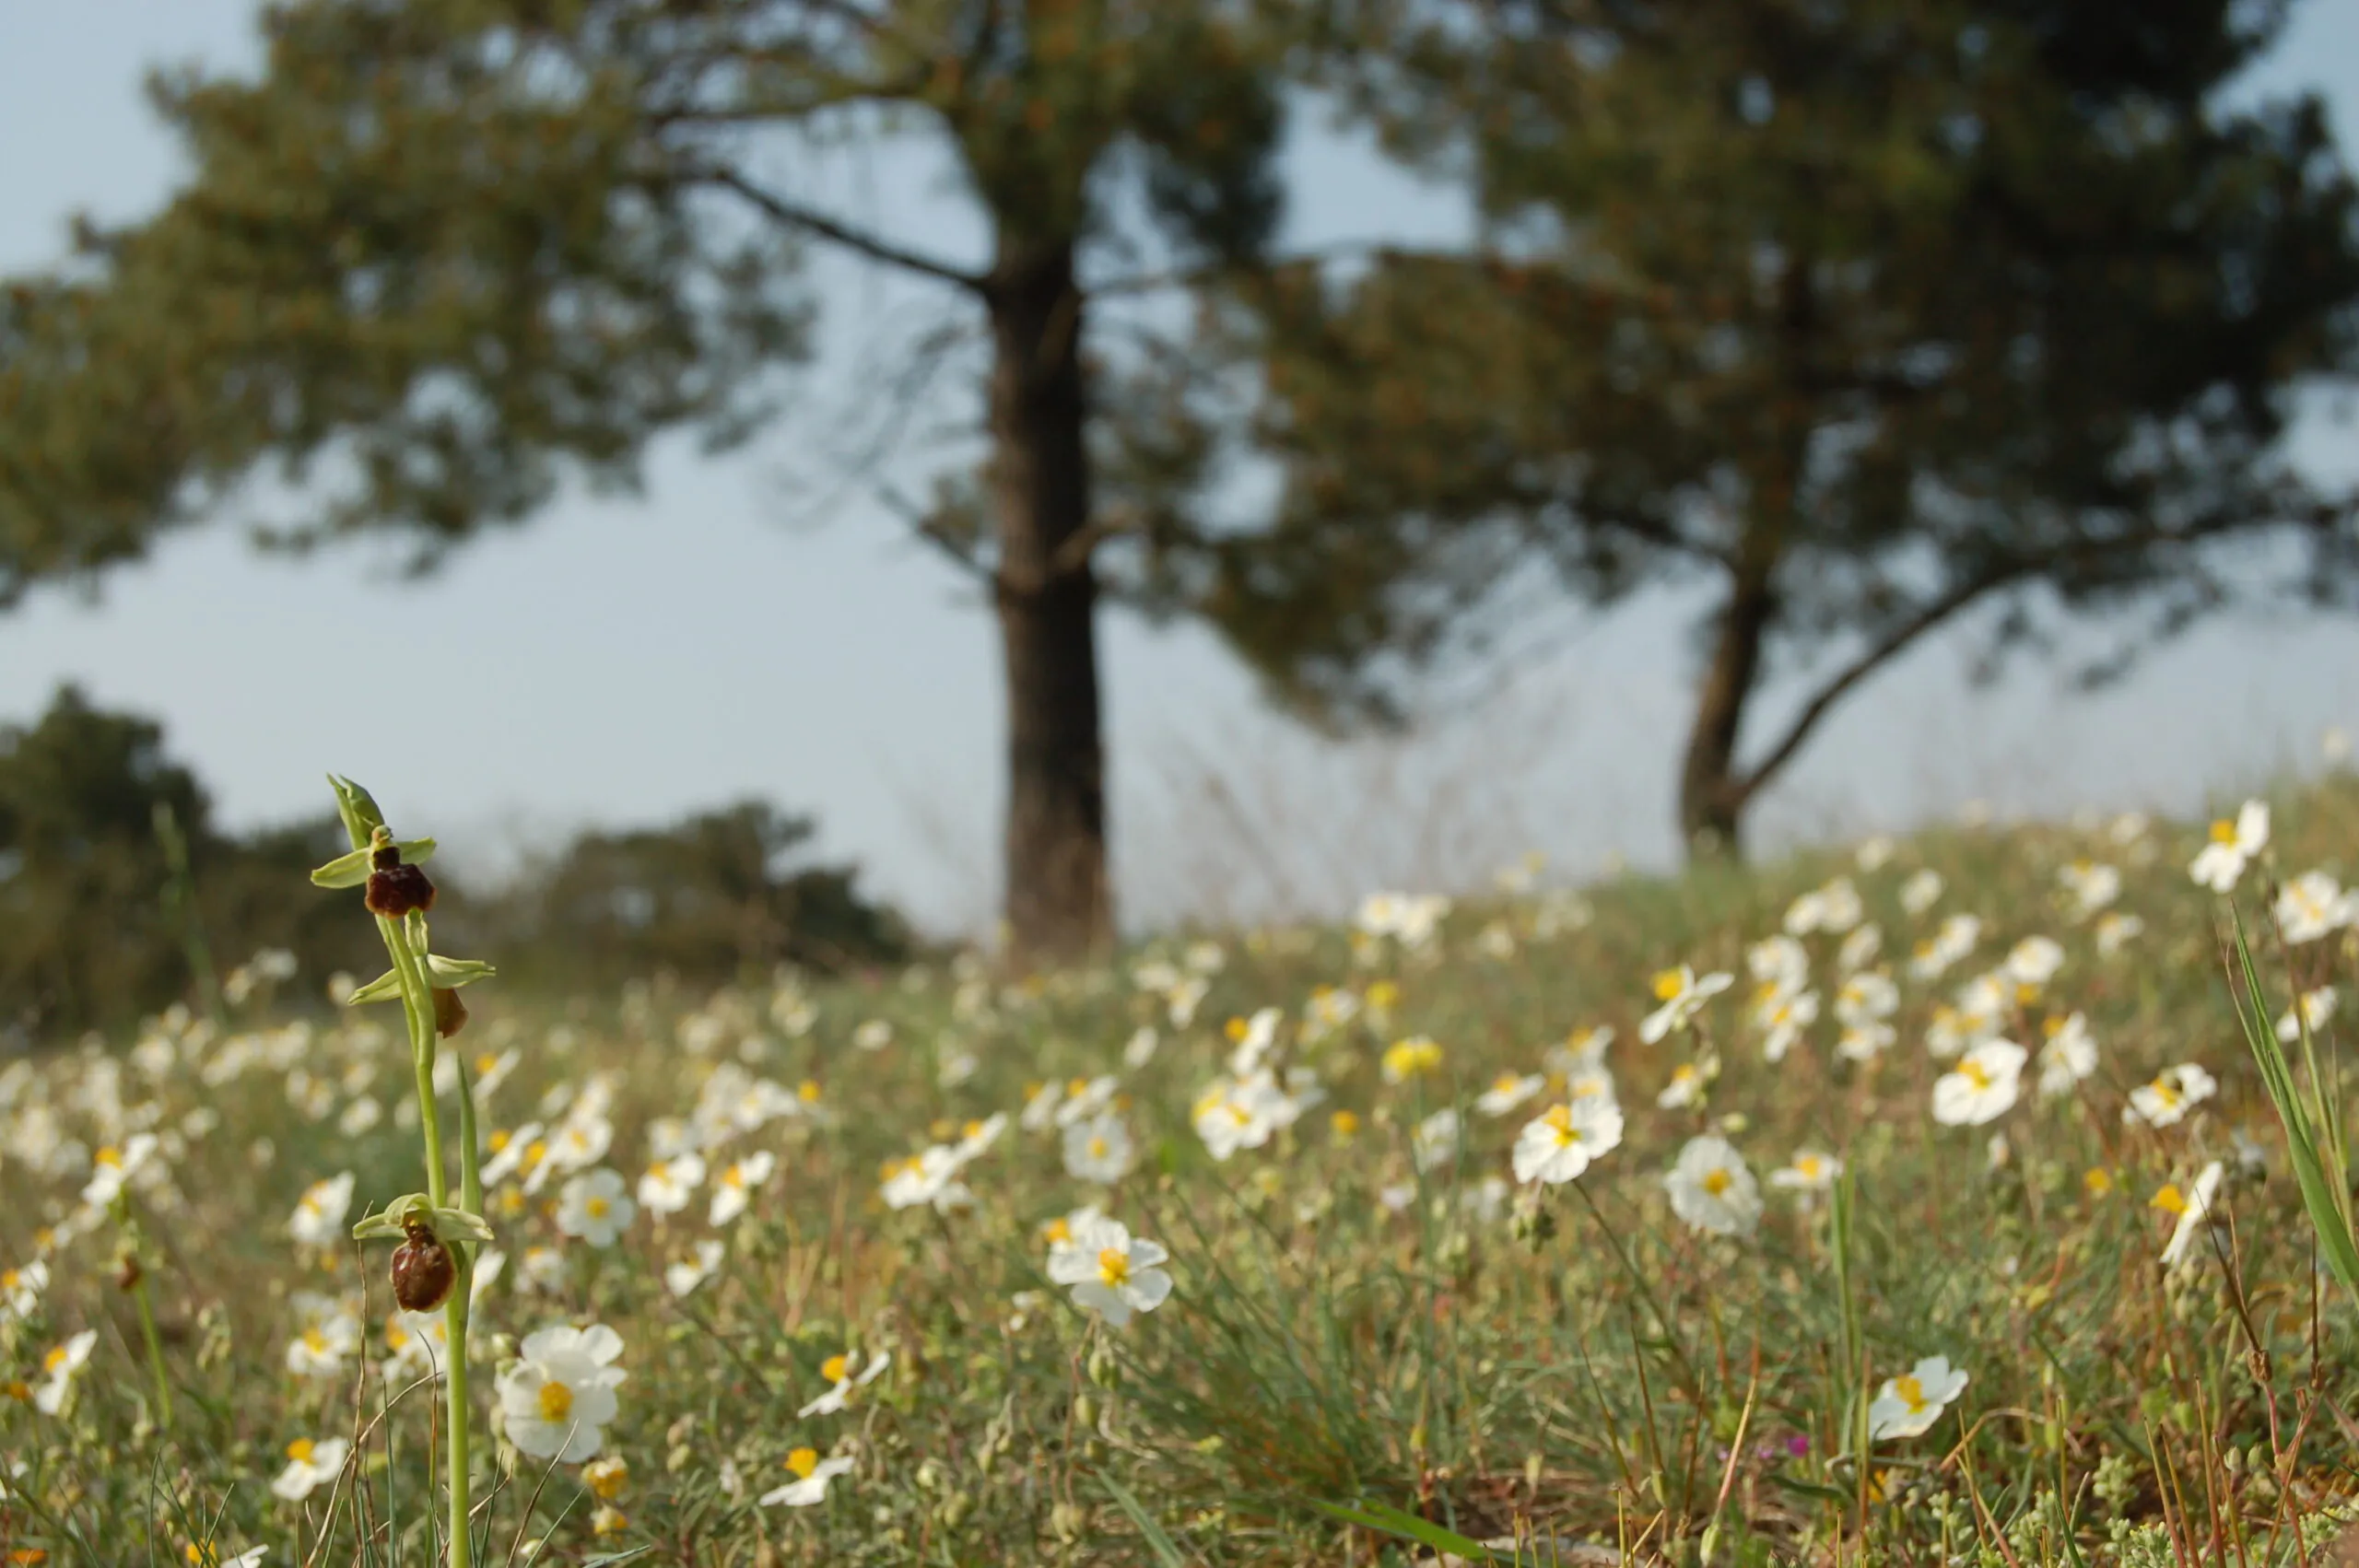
column 395, row 890
column 423, row 1271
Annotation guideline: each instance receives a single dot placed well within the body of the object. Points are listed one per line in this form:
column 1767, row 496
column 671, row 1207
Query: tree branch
column 794, row 215
column 1193, row 277
column 1990, row 580
column 960, row 552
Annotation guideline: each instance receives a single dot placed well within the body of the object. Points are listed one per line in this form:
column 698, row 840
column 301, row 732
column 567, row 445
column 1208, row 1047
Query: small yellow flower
column 803, row 1461
column 2097, row 1181
column 1383, row 994
column 607, row 1477
column 1405, row 1060
column 2170, row 1199
column 1345, row 1125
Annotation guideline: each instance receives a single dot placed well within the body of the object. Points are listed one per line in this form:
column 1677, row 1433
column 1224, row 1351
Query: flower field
column 1917, row 1200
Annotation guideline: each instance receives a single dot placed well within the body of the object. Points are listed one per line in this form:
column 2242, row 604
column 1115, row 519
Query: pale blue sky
column 630, row 661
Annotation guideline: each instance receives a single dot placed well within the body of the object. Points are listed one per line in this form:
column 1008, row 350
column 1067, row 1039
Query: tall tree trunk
column 1712, row 805
column 1712, row 794
column 1058, row 904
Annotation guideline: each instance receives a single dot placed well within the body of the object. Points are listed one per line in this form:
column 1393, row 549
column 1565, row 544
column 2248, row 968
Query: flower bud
column 126, row 1274
column 423, row 1272
column 1085, row 1410
column 450, row 1013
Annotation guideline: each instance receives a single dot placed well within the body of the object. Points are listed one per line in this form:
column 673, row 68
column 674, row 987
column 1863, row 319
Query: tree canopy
column 440, row 255
column 1875, row 317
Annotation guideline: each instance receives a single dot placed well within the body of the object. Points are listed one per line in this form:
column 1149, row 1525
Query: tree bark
column 1712, row 794
column 1711, row 798
column 1058, row 906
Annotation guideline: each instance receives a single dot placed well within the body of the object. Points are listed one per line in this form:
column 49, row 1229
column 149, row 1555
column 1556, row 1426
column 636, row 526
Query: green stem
column 418, row 1003
column 155, row 1353
column 454, row 1319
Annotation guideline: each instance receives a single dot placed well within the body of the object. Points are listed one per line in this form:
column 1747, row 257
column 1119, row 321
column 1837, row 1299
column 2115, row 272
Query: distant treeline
column 95, row 932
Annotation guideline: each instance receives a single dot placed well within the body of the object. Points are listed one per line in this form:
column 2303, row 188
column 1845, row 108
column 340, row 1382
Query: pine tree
column 443, row 256
column 1878, row 316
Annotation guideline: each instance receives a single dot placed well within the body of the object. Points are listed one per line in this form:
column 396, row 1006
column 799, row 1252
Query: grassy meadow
column 1936, row 1214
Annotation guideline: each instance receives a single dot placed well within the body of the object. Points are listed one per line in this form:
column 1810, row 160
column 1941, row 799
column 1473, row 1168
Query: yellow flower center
column 1114, row 1267
column 536, row 1150
column 500, row 1136
column 1098, row 1148
column 300, row 1450
column 972, row 1130
column 556, row 1401
column 1716, row 1182
column 485, row 1063
column 8, row 1279
column 1507, row 1083
column 1058, row 1231
column 1911, row 1392
column 1235, row 1029
column 1809, row 1165
column 109, row 1156
column 54, row 1359
column 316, row 1341
column 2097, row 1181
column 2170, row 1199
column 1684, row 1073
column 832, row 1369
column 1383, row 994
column 1668, row 984
column 1974, row 1072
column 2164, row 1091
column 607, row 1480
column 1077, row 1088
column 807, row 1092
column 1343, row 1123
column 2223, row 832
column 735, row 1176
column 596, row 1208
column 803, row 1461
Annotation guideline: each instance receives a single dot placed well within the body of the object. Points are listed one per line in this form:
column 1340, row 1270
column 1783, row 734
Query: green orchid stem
column 454, row 1320
column 418, row 1003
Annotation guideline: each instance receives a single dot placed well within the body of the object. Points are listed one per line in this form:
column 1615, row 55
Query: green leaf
column 385, row 987
column 2304, row 1129
column 359, row 810
column 1394, row 1522
column 450, row 974
column 1166, row 1552
column 345, row 871
column 394, row 1219
column 352, row 870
